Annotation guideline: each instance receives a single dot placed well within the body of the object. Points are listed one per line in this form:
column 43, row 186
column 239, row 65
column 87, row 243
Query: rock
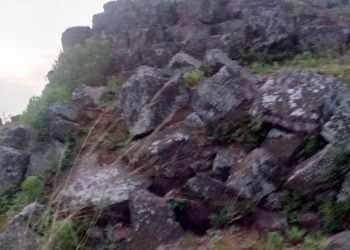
column 139, row 90
column 213, row 192
column 326, row 3
column 64, row 130
column 67, row 110
column 310, row 221
column 18, row 235
column 171, row 98
column 44, row 155
column 308, row 174
column 297, row 100
column 282, row 145
column 182, row 62
column 339, row 241
column 225, row 159
column 256, row 175
column 224, row 93
column 17, row 137
column 101, row 186
column 274, row 201
column 74, row 36
column 214, row 60
column 89, row 94
column 13, row 164
column 153, row 221
column 270, row 221
column 344, row 193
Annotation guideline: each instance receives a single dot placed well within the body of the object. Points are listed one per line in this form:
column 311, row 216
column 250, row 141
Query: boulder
column 214, row 60
column 224, row 161
column 153, row 221
column 339, row 241
column 64, row 130
column 256, row 175
column 326, row 3
column 344, row 193
column 269, row 221
column 75, row 35
column 17, row 137
column 307, row 175
column 224, row 93
column 274, row 201
column 19, row 235
column 296, row 100
column 282, row 144
column 13, row 164
column 163, row 106
column 67, row 110
column 139, row 90
column 182, row 62
column 88, row 95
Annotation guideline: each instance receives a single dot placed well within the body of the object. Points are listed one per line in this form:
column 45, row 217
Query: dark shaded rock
column 182, row 62
column 87, row 95
column 224, row 161
column 310, row 221
column 307, row 175
column 224, row 93
column 344, row 193
column 13, row 164
column 139, row 90
column 274, row 201
column 256, row 175
column 269, row 221
column 326, row 3
column 163, row 106
column 214, row 60
column 75, row 35
column 17, row 137
column 18, row 235
column 282, row 145
column 153, row 221
column 296, row 100
column 64, row 130
column 67, row 110
column 339, row 241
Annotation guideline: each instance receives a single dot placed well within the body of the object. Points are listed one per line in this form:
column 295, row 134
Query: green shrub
column 32, row 189
column 114, row 84
column 63, row 235
column 274, row 241
column 293, row 202
column 70, row 153
column 312, row 144
column 297, row 7
column 311, row 243
column 334, row 215
column 193, row 78
column 296, row 234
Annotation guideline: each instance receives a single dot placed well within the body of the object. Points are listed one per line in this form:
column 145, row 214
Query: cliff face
column 207, row 116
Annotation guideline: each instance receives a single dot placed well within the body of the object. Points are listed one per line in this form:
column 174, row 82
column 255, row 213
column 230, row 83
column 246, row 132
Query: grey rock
column 274, row 201
column 326, row 3
column 13, row 164
column 297, row 100
column 153, row 221
column 256, row 175
column 17, row 137
column 89, row 94
column 67, row 110
column 225, row 159
column 64, row 130
column 75, row 35
column 214, row 60
column 344, row 193
column 339, row 241
column 224, row 93
column 270, row 221
column 182, row 62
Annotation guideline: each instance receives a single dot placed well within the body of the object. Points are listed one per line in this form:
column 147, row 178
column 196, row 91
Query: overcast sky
column 30, row 42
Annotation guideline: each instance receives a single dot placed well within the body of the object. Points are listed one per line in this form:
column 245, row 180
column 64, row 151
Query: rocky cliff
column 197, row 124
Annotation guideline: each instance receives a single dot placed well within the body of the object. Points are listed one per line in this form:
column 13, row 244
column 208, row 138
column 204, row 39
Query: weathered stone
column 224, row 93
column 310, row 221
column 296, row 100
column 282, row 144
column 274, row 201
column 224, row 161
column 167, row 101
column 17, row 137
column 308, row 174
column 339, row 241
column 182, row 62
column 63, row 130
column 270, row 221
column 256, row 175
column 153, row 221
column 89, row 94
column 139, row 90
column 214, row 60
column 67, row 110
column 75, row 35
column 326, row 3
column 13, row 164
column 18, row 235
column 344, row 194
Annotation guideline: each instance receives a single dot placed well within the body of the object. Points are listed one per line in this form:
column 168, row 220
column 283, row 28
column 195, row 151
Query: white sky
column 30, row 40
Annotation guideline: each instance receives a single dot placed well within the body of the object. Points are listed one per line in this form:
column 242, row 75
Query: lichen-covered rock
column 307, row 175
column 67, row 110
column 297, row 100
column 18, row 235
column 182, row 62
column 163, row 106
column 339, row 241
column 64, row 130
column 282, row 144
column 256, row 175
column 74, row 36
column 224, row 161
column 88, row 94
column 224, row 93
column 139, row 90
column 17, row 137
column 153, row 221
column 13, row 164
column 214, row 60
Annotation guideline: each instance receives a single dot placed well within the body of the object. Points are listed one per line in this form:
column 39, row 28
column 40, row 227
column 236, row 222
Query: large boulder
column 68, row 110
column 182, row 62
column 64, row 130
column 13, row 164
column 19, row 235
column 297, row 100
column 214, row 60
column 75, row 35
column 153, row 221
column 256, row 175
column 225, row 160
column 224, row 93
column 339, row 241
column 139, row 90
column 17, row 137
